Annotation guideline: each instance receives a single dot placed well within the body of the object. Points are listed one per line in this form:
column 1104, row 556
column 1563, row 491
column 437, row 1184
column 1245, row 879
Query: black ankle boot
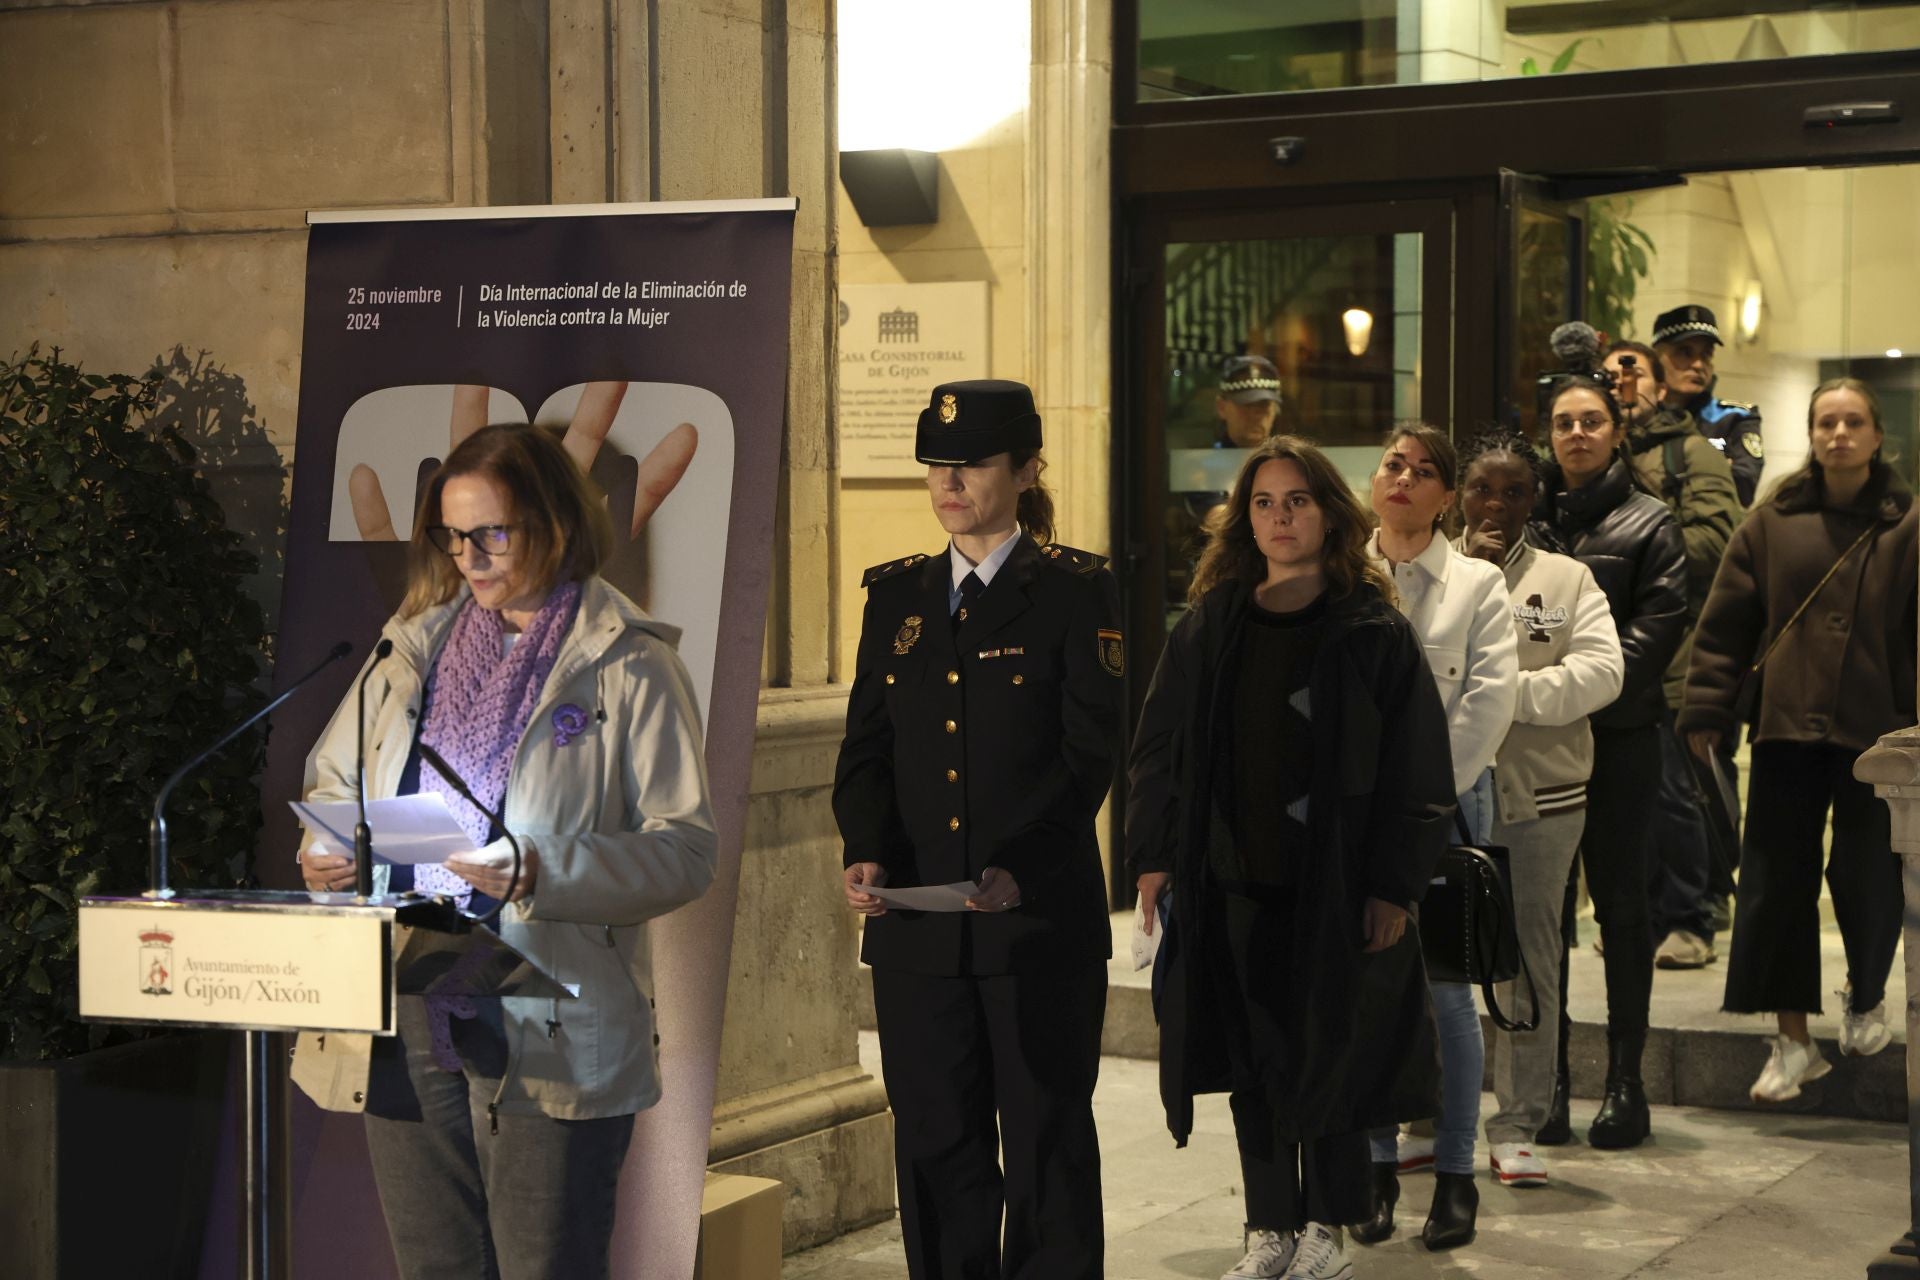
column 1623, row 1120
column 1558, row 1129
column 1456, row 1203
column 1385, row 1176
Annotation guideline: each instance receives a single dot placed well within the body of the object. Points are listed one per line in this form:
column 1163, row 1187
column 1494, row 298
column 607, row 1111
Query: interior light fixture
column 1893, row 353
column 1358, row 322
column 1750, row 303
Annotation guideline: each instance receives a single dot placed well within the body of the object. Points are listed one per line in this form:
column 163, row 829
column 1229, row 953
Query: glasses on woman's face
column 1593, row 423
column 494, row 539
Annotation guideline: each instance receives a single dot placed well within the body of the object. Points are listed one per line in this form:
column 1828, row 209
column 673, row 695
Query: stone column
column 1069, row 263
column 727, row 99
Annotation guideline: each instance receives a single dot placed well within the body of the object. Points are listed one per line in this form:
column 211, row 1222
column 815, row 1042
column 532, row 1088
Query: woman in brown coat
column 1817, row 590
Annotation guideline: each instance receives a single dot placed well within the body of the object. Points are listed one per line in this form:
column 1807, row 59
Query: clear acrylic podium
column 258, row 962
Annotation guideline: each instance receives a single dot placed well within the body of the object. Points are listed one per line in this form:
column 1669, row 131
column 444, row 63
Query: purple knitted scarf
column 479, row 708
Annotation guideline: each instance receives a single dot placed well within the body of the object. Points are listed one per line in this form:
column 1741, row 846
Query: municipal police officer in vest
column 1686, row 337
column 982, row 734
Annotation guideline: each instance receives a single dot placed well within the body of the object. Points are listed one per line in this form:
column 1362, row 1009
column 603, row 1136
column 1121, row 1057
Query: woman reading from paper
column 497, row 1128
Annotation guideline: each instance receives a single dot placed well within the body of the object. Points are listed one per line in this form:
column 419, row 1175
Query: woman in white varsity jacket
column 1570, row 666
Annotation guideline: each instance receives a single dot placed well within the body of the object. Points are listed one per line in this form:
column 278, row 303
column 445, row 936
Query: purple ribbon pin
column 569, row 722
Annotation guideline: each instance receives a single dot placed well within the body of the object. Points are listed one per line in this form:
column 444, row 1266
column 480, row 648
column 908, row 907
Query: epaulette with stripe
column 1073, row 558
column 881, row 572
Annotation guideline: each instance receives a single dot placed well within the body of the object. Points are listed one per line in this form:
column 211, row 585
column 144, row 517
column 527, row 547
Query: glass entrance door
column 1346, row 308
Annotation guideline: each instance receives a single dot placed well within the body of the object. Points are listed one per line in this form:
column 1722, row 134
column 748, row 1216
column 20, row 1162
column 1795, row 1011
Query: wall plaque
column 897, row 343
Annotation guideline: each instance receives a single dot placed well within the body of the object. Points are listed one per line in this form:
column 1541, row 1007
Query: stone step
column 1683, row 1067
column 1700, row 1065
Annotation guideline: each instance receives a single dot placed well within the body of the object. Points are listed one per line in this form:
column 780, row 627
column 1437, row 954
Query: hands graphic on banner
column 658, row 473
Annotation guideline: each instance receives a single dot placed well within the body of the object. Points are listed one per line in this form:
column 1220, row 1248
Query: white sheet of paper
column 938, row 897
column 1145, row 945
column 407, row 830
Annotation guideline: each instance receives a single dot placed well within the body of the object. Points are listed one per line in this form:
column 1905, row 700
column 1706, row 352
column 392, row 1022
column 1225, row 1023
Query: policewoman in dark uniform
column 1686, row 337
column 981, row 739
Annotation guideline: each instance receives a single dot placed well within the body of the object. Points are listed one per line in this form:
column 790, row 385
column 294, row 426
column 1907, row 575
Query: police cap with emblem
column 1692, row 320
column 967, row 421
column 1249, row 380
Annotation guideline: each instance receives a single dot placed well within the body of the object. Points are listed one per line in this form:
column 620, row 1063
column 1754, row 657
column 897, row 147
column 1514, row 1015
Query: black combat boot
column 1623, row 1120
column 1456, row 1203
column 1558, row 1130
column 1386, row 1193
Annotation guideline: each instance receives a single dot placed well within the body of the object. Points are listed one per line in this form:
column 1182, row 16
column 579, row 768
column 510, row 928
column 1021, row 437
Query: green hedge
column 127, row 643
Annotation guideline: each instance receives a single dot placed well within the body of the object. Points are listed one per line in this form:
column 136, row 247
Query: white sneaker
column 1515, row 1165
column 1864, row 1034
column 1790, row 1065
column 1415, row 1154
column 1268, row 1253
column 1319, row 1256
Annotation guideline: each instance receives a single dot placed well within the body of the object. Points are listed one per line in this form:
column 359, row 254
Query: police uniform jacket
column 1733, row 428
column 992, row 747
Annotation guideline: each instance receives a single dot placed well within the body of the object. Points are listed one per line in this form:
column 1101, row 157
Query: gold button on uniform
column 953, row 677
column 953, row 824
column 953, row 775
column 889, row 677
column 1019, row 679
column 952, row 727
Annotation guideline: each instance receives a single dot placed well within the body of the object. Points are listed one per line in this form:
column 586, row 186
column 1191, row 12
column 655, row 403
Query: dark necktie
column 970, row 589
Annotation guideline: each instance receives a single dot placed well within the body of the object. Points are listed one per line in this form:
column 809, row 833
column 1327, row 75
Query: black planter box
column 106, row 1160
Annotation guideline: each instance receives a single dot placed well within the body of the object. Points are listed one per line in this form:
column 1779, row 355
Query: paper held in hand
column 941, row 897
column 407, row 830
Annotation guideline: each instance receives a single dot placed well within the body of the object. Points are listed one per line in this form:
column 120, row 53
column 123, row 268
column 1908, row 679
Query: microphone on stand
column 157, row 825
column 459, row 784
column 362, row 833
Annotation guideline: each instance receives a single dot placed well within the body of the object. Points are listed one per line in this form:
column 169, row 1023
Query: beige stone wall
column 156, row 163
column 981, row 235
column 1024, row 207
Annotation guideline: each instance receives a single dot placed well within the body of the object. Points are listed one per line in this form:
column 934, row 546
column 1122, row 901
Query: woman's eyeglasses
column 1593, row 424
column 494, row 539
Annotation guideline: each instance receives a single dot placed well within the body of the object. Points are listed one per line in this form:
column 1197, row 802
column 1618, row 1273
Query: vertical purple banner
column 654, row 328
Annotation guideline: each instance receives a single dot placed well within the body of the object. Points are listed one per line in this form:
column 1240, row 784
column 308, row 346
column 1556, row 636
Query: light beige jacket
column 1570, row 667
column 624, row 829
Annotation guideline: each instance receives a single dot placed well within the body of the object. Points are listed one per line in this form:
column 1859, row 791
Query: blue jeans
column 1456, row 1015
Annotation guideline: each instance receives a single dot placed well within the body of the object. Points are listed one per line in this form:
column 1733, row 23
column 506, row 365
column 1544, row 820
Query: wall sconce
column 1358, row 322
column 1750, row 312
column 893, row 187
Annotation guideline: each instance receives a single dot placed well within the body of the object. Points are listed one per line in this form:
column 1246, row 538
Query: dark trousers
column 1288, row 1183
column 463, row 1202
column 1626, row 770
column 957, row 1052
column 1775, row 965
column 1680, row 865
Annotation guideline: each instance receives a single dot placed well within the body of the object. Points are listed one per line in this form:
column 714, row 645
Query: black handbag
column 1467, row 930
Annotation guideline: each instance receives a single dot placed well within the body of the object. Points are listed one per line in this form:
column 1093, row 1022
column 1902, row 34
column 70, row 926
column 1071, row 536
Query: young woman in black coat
column 1633, row 545
column 1291, row 787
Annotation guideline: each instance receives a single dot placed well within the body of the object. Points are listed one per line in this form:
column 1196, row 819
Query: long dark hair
column 1811, row 472
column 1034, row 510
column 1621, row 451
column 1233, row 554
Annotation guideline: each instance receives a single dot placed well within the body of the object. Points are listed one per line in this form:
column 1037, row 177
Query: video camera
column 1577, row 344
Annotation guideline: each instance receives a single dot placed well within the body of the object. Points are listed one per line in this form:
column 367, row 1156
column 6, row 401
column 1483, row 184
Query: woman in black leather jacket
column 1632, row 544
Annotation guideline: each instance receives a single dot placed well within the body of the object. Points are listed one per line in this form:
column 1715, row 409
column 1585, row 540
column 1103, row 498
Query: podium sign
column 243, row 965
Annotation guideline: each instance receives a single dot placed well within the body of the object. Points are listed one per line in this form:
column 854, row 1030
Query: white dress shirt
column 984, row 571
